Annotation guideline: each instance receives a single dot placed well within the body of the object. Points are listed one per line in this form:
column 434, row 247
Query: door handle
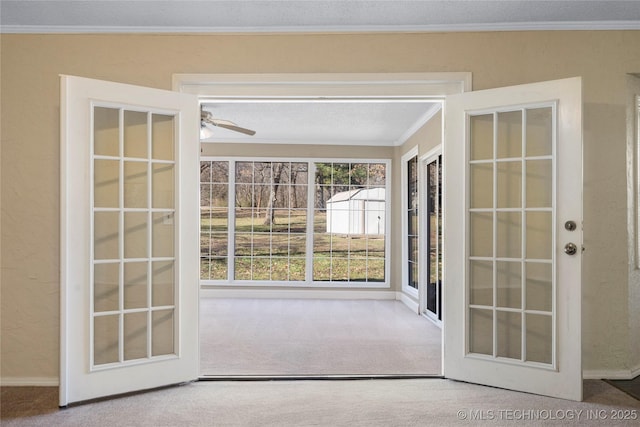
column 570, row 248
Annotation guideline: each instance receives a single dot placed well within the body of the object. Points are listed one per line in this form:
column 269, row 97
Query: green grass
column 277, row 252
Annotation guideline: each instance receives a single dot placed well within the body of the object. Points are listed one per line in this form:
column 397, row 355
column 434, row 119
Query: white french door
column 513, row 226
column 129, row 238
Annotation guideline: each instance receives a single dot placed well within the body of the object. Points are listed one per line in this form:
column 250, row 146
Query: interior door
column 513, row 219
column 129, row 238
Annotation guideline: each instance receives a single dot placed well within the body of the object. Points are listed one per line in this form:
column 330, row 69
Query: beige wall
column 428, row 137
column 30, row 146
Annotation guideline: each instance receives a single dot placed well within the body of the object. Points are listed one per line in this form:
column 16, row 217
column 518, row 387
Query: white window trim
column 404, row 183
column 308, row 282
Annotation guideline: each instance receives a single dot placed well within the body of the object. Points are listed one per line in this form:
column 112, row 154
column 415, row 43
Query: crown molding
column 485, row 27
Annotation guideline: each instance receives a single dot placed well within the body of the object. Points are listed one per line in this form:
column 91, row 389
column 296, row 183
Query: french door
column 513, row 219
column 129, row 238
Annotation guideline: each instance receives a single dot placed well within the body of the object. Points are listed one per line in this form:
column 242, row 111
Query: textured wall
column 30, row 144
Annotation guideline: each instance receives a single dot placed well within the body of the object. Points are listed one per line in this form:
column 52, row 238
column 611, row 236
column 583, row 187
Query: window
column 410, row 203
column 296, row 222
column 349, row 222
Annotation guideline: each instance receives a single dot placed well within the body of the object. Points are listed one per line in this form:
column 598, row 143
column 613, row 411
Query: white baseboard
column 296, row 293
column 29, row 381
column 611, row 374
column 408, row 301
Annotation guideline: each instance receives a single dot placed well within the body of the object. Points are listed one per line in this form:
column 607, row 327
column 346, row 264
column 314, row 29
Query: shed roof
column 359, row 194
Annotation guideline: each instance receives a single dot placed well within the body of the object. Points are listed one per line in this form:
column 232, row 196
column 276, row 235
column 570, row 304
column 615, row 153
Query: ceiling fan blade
column 207, row 118
column 236, row 128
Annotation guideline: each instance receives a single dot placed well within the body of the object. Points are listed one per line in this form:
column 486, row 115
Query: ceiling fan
column 207, row 118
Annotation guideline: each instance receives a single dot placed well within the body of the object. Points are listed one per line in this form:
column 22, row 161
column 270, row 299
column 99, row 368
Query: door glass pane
column 105, row 235
column 509, row 284
column 539, row 286
column 106, row 131
column 539, row 235
column 105, row 339
column 481, row 282
column 135, row 134
column 163, row 135
column 539, row 131
column 135, row 285
column 481, row 137
column 481, row 234
column 509, row 235
column 539, row 183
column 106, row 183
column 509, row 334
column 162, row 283
column 481, row 185
column 135, row 184
column 106, row 287
column 163, row 185
column 135, row 234
column 480, row 331
column 509, row 177
column 510, row 231
column 539, row 335
column 162, row 234
column 135, row 335
column 162, row 335
column 133, row 173
column 509, row 134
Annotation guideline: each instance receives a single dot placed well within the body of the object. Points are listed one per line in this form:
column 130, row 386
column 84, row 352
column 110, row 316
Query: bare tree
column 277, row 169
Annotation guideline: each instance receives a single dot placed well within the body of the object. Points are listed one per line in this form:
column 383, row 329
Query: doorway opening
column 356, row 314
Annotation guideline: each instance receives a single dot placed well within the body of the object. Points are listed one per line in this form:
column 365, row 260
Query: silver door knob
column 570, row 248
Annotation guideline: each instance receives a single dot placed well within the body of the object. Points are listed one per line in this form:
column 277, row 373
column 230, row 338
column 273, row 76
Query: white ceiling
column 322, row 122
column 327, row 123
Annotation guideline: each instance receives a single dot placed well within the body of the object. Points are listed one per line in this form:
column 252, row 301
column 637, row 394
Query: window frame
column 308, row 282
column 404, row 185
column 434, row 155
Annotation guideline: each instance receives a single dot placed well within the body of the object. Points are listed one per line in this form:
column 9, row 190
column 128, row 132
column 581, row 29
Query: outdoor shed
column 360, row 211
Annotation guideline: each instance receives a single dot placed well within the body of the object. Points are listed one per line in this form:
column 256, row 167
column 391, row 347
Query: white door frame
column 301, row 86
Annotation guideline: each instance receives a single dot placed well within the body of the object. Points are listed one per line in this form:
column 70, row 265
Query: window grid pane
column 133, row 233
column 510, row 232
column 270, row 224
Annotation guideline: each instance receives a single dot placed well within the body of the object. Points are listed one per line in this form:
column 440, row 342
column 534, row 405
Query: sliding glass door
column 432, row 295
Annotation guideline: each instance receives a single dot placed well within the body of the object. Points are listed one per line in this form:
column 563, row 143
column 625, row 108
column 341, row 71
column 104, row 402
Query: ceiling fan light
column 205, row 132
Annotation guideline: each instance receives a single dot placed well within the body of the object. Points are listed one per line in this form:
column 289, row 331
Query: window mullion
column 231, row 225
column 311, row 179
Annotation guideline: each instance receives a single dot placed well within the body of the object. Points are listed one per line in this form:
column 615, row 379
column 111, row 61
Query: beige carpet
column 423, row 402
column 316, row 337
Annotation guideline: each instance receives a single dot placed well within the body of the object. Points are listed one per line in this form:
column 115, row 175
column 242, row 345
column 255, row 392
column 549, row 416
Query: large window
column 298, row 222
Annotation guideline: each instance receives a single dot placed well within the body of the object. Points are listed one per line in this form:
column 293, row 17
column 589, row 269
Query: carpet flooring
column 417, row 402
column 309, row 337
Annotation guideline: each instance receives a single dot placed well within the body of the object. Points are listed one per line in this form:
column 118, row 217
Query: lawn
column 276, row 252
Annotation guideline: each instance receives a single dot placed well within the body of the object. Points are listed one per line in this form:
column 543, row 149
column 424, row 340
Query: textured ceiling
column 313, row 15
